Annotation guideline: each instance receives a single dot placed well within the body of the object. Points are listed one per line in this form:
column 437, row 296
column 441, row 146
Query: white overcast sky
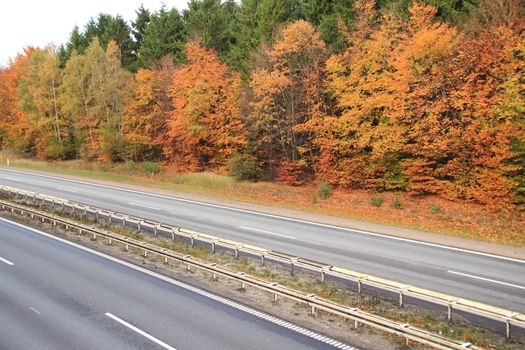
column 39, row 22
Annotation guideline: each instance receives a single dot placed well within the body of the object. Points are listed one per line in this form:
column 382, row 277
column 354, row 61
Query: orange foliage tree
column 205, row 129
column 360, row 144
column 14, row 127
column 287, row 94
column 467, row 117
column 146, row 116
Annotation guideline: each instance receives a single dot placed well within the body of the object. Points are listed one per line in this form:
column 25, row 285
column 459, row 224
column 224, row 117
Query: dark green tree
column 213, row 23
column 164, row 35
column 258, row 22
column 327, row 15
column 77, row 42
column 138, row 27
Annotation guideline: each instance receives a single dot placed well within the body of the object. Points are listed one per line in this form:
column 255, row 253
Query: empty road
column 56, row 295
column 490, row 279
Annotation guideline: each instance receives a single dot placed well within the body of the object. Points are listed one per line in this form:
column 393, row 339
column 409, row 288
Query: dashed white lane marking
column 66, row 189
column 34, row 310
column 267, row 232
column 143, row 206
column 239, row 210
column 486, row 279
column 13, row 179
column 139, row 331
column 272, row 319
column 6, row 261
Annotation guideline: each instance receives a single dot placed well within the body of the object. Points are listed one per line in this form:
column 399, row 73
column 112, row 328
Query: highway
column 482, row 277
column 57, row 295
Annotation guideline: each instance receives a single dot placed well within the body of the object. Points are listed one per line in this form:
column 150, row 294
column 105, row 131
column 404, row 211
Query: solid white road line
column 201, row 292
column 143, row 206
column 139, row 331
column 66, row 189
column 6, row 261
column 486, row 279
column 369, row 233
column 12, row 179
column 267, row 232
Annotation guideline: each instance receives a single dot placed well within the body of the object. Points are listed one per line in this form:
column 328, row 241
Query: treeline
column 386, row 95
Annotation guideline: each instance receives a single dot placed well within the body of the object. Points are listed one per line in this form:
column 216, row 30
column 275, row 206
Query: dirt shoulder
column 387, row 230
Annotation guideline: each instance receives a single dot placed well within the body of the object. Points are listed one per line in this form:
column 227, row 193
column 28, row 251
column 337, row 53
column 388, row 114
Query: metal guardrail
column 408, row 332
column 508, row 317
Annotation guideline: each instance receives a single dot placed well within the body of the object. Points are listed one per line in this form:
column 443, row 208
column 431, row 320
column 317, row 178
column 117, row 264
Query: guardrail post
column 94, row 236
column 145, row 253
column 110, row 241
column 401, row 298
column 126, row 247
column 236, row 253
column 313, row 310
column 138, row 225
column 262, row 259
column 449, row 312
column 323, row 273
column 356, row 324
column 359, row 287
column 192, row 240
column 213, row 246
column 275, row 298
column 188, row 268
column 507, row 329
column 155, row 230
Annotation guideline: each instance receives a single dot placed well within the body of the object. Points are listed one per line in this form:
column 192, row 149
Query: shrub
column 245, row 168
column 376, row 201
column 314, row 198
column 325, row 191
column 150, row 168
column 129, row 165
column 396, row 203
column 435, row 209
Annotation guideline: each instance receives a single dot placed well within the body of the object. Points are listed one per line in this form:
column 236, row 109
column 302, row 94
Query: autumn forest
column 423, row 97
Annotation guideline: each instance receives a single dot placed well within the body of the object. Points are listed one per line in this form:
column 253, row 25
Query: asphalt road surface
column 482, row 277
column 56, row 295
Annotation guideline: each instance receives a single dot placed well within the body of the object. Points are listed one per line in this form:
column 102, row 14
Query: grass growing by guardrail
column 428, row 213
column 307, row 283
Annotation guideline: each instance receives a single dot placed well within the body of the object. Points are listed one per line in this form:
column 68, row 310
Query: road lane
column 424, row 265
column 58, row 296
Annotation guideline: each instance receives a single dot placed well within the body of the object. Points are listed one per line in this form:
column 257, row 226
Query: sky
column 40, row 22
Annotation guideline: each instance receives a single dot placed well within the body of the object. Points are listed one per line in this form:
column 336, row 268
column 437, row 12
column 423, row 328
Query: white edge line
column 267, row 232
column 6, row 261
column 486, row 279
column 12, row 179
column 117, row 188
column 201, row 292
column 139, row 331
